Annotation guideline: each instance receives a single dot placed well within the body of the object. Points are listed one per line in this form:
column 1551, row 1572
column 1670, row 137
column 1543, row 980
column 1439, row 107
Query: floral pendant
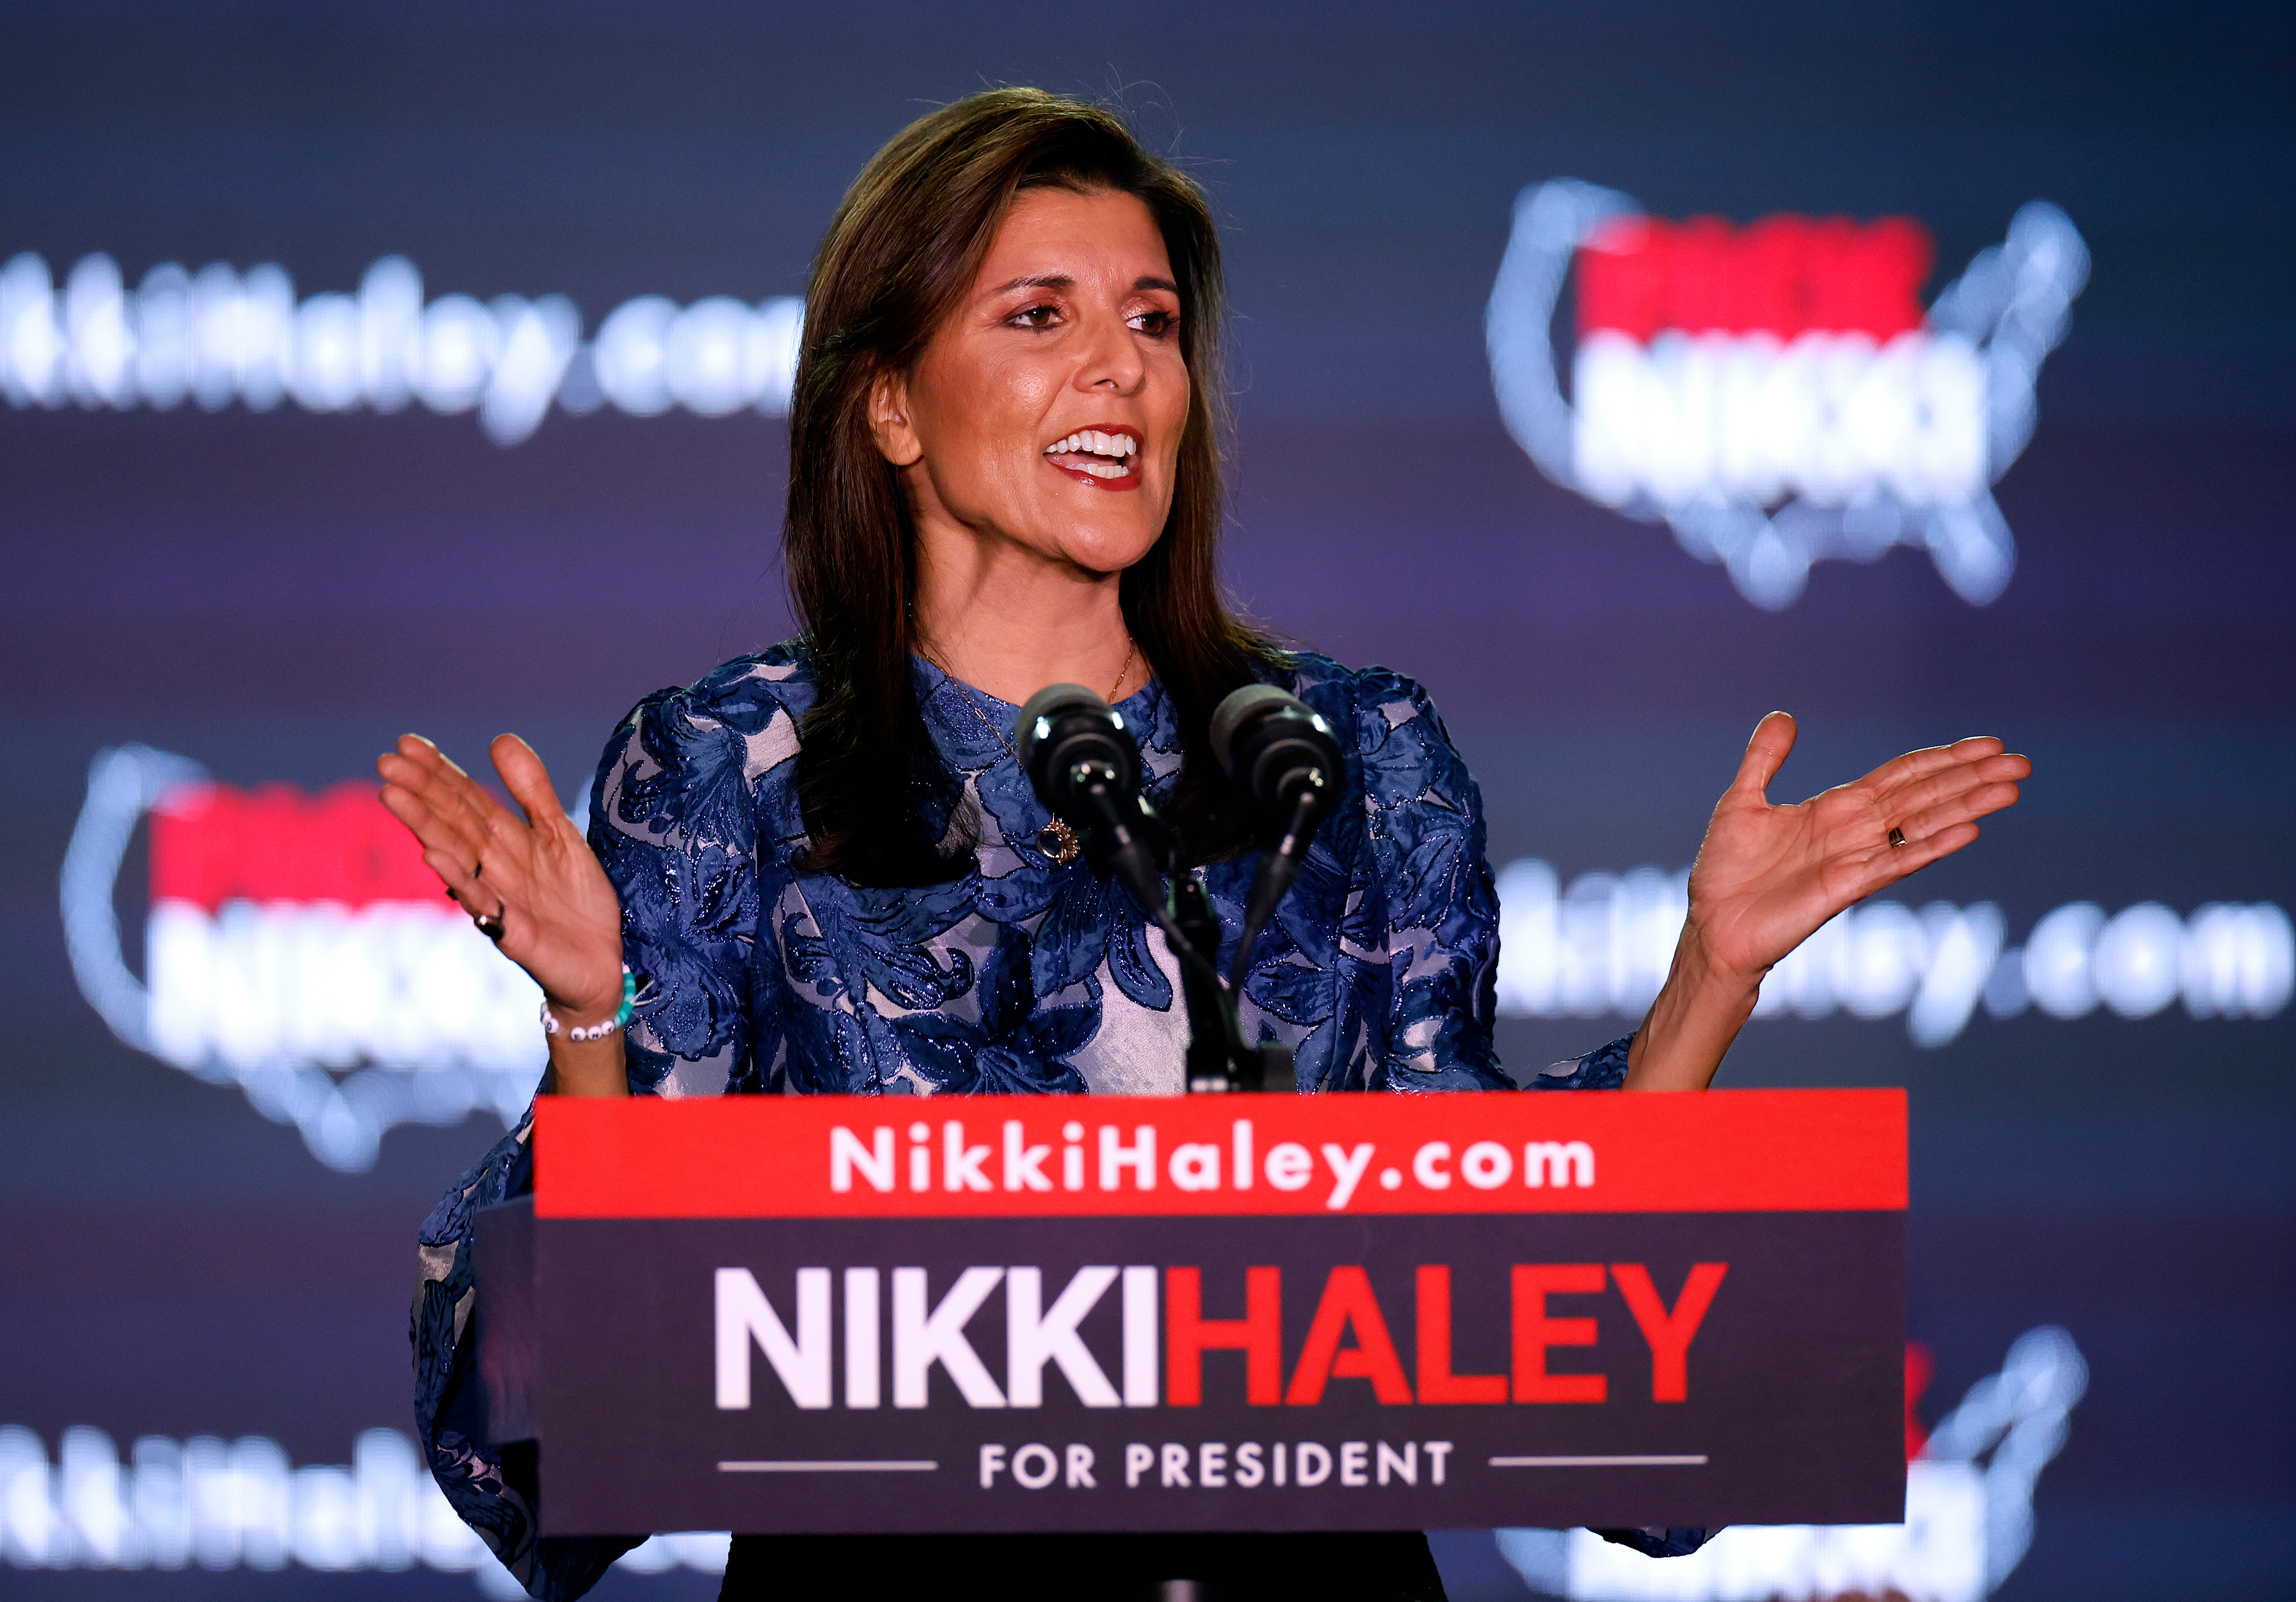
column 1058, row 841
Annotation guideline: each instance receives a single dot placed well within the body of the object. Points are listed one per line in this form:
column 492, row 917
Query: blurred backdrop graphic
column 1621, row 372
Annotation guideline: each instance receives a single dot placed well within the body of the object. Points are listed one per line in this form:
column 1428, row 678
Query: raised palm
column 1767, row 876
column 560, row 919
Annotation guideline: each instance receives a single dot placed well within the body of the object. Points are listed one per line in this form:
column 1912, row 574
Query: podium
column 862, row 1315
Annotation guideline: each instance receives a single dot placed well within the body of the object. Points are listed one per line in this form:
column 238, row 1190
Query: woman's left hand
column 1767, row 876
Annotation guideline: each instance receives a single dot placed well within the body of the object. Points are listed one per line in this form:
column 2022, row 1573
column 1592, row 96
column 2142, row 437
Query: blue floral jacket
column 1025, row 975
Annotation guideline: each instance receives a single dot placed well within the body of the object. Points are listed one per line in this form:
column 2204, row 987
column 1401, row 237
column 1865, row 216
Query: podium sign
column 1245, row 1312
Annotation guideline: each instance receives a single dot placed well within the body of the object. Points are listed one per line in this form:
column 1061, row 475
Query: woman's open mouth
column 1106, row 457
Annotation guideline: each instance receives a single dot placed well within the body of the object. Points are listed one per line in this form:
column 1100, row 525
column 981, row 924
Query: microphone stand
column 1218, row 1061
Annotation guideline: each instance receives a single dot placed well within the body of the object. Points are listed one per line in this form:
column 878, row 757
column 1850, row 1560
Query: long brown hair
column 905, row 246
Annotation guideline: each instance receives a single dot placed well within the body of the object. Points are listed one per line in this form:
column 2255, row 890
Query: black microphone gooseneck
column 1086, row 768
column 1284, row 763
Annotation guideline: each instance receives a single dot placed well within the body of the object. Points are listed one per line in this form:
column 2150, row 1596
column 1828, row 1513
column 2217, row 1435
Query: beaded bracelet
column 595, row 1032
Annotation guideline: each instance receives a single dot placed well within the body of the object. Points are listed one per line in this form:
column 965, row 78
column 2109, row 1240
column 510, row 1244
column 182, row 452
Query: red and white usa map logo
column 1776, row 393
column 296, row 946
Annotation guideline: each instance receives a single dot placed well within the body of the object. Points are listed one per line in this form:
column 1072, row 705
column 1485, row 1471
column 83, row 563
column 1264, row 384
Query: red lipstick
column 1087, row 455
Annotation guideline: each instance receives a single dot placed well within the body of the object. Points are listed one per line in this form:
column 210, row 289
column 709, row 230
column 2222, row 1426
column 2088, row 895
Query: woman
column 821, row 868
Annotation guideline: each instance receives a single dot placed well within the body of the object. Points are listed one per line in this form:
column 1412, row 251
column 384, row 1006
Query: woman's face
column 1047, row 410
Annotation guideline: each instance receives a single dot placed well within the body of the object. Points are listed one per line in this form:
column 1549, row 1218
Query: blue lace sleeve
column 1439, row 913
column 676, row 815
column 1678, row 1541
column 1604, row 1068
column 492, row 1488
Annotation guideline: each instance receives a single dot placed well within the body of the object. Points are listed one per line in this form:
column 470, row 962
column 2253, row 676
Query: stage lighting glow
column 1603, row 946
column 31, row 338
column 223, row 1505
column 101, row 363
column 1776, row 394
column 460, row 342
column 631, row 356
column 221, row 336
column 326, row 376
column 706, row 357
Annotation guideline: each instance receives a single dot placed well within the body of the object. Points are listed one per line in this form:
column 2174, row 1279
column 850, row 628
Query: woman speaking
column 823, row 868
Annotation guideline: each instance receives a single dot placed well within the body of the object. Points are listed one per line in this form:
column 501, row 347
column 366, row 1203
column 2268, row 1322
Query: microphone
column 1284, row 761
column 1068, row 738
column 1276, row 749
column 1083, row 766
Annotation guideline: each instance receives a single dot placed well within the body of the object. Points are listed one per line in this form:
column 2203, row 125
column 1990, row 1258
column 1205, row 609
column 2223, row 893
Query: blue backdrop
column 259, row 520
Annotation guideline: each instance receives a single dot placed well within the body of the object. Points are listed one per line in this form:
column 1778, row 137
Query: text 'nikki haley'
column 1164, row 1333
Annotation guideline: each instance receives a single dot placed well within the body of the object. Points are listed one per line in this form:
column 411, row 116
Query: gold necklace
column 1055, row 840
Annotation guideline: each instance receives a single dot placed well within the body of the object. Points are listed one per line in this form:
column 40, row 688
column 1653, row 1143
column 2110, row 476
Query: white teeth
column 1092, row 442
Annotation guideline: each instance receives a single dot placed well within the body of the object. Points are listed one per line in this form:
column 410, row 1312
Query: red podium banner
column 1248, row 1312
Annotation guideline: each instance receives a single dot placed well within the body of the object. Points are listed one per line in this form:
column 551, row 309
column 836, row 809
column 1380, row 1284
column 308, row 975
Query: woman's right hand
column 560, row 919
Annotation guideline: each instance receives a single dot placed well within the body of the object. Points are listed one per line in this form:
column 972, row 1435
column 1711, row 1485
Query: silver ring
column 1896, row 838
column 490, row 924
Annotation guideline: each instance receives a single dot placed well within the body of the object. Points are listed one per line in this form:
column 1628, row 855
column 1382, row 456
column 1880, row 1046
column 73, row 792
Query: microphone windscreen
column 1240, row 708
column 1053, row 699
